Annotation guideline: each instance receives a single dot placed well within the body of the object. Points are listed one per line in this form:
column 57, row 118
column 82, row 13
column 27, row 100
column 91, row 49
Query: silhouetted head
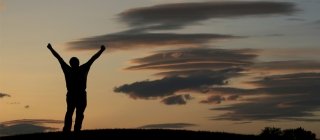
column 74, row 62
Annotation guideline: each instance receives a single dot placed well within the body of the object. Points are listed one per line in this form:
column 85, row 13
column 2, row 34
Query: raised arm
column 96, row 56
column 55, row 54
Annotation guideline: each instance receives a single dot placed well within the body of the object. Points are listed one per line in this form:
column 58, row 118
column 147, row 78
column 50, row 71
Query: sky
column 232, row 66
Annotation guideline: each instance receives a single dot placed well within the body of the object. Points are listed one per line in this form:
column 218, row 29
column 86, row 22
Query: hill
column 154, row 134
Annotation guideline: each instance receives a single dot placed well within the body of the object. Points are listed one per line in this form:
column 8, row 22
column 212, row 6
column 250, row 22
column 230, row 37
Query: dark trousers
column 76, row 101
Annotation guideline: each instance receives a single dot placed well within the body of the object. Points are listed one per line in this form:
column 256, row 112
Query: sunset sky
column 232, row 66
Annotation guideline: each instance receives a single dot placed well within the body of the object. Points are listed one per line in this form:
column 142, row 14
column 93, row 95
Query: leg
column 81, row 106
column 68, row 117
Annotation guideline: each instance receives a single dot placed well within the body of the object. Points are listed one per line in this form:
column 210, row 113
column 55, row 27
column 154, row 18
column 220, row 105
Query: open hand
column 103, row 47
column 49, row 46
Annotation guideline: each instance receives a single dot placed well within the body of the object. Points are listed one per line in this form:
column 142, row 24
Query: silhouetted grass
column 151, row 134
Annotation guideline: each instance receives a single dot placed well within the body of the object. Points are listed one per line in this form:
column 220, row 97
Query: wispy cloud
column 22, row 129
column 168, row 86
column 195, row 69
column 206, row 70
column 127, row 41
column 31, row 121
column 275, row 97
column 4, row 95
column 233, row 72
column 26, row 126
column 195, row 58
column 288, row 96
column 295, row 65
column 145, row 20
column 168, row 126
column 177, row 15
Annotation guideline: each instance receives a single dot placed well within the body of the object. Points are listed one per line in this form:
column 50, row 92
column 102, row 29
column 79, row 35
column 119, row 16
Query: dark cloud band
column 168, row 125
column 170, row 85
column 26, row 126
column 173, row 16
column 289, row 96
column 126, row 41
column 196, row 58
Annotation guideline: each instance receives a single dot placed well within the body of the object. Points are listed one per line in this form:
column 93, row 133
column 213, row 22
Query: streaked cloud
column 23, row 129
column 296, row 19
column 168, row 126
column 26, row 126
column 177, row 15
column 31, row 121
column 127, row 41
column 231, row 71
column 168, row 86
column 288, row 96
column 296, row 65
column 144, row 21
column 196, row 58
column 187, row 69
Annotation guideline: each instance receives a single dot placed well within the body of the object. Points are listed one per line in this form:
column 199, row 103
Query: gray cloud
column 195, row 69
column 217, row 95
column 167, row 86
column 31, row 121
column 175, row 16
column 295, row 81
column 126, row 41
column 296, row 19
column 4, row 95
column 215, row 99
column 168, row 126
column 296, row 65
column 266, row 109
column 177, row 99
column 26, row 126
column 23, row 129
column 287, row 97
column 232, row 72
column 196, row 58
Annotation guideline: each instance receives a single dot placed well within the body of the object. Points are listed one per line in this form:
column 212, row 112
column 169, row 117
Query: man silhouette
column 76, row 82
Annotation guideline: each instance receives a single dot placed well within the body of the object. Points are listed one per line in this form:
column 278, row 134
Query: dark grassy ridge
column 136, row 134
